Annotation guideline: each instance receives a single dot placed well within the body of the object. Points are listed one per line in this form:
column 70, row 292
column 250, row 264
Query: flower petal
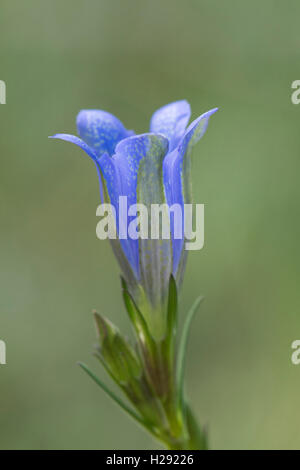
column 75, row 140
column 120, row 173
column 177, row 180
column 88, row 150
column 195, row 131
column 116, row 245
column 101, row 130
column 171, row 120
column 155, row 254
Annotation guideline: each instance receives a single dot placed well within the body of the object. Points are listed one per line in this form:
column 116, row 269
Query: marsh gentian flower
column 152, row 168
column 148, row 168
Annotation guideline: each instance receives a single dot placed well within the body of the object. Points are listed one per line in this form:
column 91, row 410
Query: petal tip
column 210, row 112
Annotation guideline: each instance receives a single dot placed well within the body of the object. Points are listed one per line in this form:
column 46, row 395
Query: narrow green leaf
column 182, row 350
column 168, row 343
column 172, row 307
column 123, row 283
column 114, row 397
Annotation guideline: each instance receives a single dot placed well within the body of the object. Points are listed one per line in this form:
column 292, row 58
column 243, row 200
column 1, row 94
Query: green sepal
column 172, row 315
column 138, row 321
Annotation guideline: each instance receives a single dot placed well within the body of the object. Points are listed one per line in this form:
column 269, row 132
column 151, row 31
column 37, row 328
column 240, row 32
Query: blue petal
column 120, row 173
column 101, row 130
column 88, row 150
column 75, row 140
column 196, row 130
column 171, row 120
column 106, row 165
column 177, row 178
column 155, row 254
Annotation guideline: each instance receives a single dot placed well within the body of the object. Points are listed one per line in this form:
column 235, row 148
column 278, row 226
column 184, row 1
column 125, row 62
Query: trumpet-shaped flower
column 152, row 168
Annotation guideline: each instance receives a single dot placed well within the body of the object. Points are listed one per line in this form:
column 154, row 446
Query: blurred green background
column 130, row 57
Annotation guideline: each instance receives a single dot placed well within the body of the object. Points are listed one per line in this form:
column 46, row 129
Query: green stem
column 192, row 437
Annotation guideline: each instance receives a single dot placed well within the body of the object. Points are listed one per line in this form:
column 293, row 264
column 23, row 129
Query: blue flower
column 148, row 168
